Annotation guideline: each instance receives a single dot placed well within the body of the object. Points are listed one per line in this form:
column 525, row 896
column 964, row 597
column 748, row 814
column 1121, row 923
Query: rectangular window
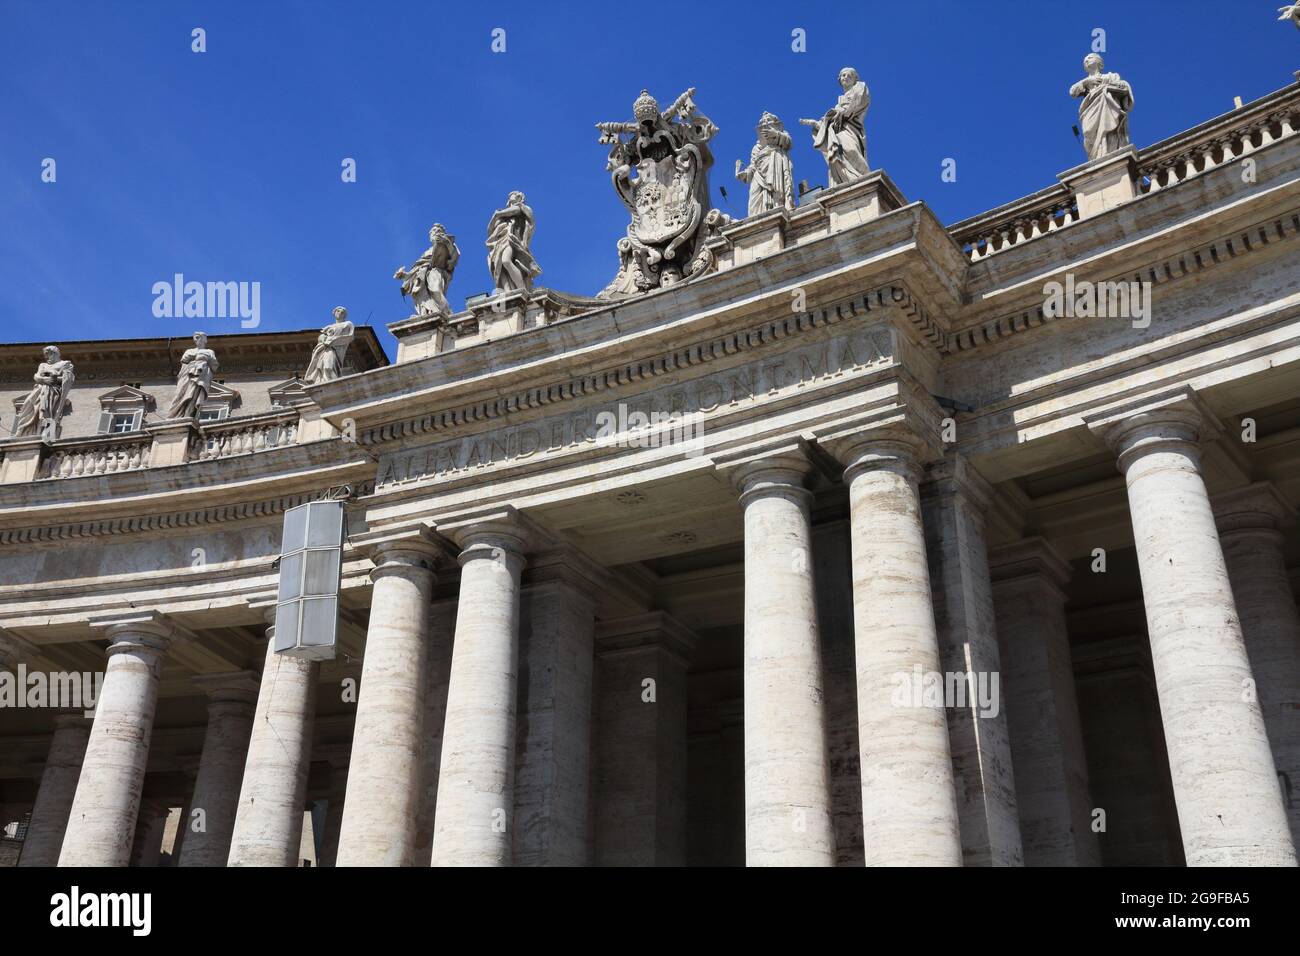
column 212, row 414
column 122, row 422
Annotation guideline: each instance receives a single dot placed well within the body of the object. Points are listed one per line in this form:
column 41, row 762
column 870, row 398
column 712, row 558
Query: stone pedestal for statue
column 171, row 441
column 1103, row 183
column 22, row 459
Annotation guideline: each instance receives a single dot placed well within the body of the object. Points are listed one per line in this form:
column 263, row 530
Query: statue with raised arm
column 668, row 198
column 510, row 260
column 1103, row 114
column 42, row 410
column 427, row 280
column 331, row 349
column 195, row 379
column 770, row 173
column 840, row 135
column 1290, row 12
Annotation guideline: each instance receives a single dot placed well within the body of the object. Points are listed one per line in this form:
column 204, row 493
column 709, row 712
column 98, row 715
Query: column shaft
column 909, row 807
column 1252, row 546
column 58, row 788
column 102, row 822
column 1042, row 706
column 221, row 770
column 640, row 778
column 953, row 502
column 553, row 735
column 383, row 792
column 473, row 823
column 268, row 822
column 787, row 773
column 1230, row 807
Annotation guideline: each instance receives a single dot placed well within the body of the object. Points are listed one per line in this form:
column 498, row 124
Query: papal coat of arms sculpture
column 659, row 165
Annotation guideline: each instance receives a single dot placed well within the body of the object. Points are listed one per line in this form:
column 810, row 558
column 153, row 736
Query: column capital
column 1173, row 421
column 138, row 630
column 1255, row 507
column 8, row 651
column 498, row 533
column 238, row 687
column 896, row 449
column 779, row 469
column 407, row 551
column 638, row 633
column 568, row 566
column 72, row 721
column 264, row 605
column 955, row 475
column 1029, row 558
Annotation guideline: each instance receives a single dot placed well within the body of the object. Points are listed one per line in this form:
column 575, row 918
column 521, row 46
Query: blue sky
column 225, row 165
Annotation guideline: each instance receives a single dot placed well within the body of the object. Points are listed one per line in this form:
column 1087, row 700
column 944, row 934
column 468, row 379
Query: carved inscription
column 692, row 401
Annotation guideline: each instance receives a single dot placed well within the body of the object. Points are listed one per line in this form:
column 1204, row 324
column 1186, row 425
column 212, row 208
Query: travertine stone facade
column 843, row 543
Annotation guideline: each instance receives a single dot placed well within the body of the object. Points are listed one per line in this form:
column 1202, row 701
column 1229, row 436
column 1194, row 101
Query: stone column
column 1249, row 520
column 58, row 787
column 8, row 652
column 909, row 809
column 101, row 824
column 1042, row 707
column 954, row 502
column 383, row 792
column 150, row 828
column 787, row 773
column 1230, row 808
column 833, row 575
column 553, row 732
column 472, row 826
column 442, row 626
column 329, row 853
column 640, row 799
column 231, row 698
column 268, row 821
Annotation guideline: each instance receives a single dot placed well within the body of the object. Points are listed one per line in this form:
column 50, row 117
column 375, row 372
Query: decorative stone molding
column 893, row 295
column 1259, row 506
column 653, row 630
column 158, row 522
column 1153, row 423
column 406, row 551
column 239, row 687
column 779, row 470
column 1032, row 557
column 1183, row 265
column 902, row 438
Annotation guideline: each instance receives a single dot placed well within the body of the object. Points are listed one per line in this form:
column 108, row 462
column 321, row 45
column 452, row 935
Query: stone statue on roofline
column 510, row 258
column 668, row 198
column 42, row 410
column 840, row 135
column 194, row 380
column 427, row 280
column 770, row 174
column 1290, row 12
column 327, row 358
column 1103, row 114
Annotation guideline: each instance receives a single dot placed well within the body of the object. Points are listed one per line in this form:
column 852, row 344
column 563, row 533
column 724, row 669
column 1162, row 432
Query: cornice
column 668, row 362
column 1226, row 248
column 164, row 521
